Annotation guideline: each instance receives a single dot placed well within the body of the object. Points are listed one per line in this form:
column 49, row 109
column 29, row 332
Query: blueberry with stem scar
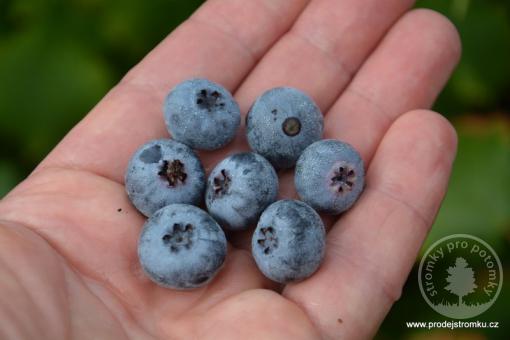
column 281, row 124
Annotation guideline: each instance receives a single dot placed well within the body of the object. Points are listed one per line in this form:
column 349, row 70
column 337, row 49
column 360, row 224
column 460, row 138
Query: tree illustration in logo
column 461, row 279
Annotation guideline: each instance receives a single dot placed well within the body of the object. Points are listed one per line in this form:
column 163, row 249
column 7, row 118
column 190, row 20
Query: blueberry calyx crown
column 221, row 183
column 343, row 179
column 291, row 126
column 173, row 172
column 180, row 236
column 267, row 239
column 208, row 100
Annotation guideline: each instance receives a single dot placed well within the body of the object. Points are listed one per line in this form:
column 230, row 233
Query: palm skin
column 68, row 263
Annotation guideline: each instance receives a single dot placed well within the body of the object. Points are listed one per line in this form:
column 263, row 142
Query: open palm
column 68, row 263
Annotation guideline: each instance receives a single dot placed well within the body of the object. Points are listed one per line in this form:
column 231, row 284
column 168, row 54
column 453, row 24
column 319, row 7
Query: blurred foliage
column 478, row 198
column 481, row 82
column 59, row 57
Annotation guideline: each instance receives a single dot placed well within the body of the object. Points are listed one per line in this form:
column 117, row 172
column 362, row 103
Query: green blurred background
column 58, row 58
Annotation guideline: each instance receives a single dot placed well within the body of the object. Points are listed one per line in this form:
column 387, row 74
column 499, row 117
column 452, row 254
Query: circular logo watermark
column 460, row 276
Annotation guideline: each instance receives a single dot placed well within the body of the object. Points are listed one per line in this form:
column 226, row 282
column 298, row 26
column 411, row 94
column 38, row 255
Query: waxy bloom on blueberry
column 181, row 247
column 289, row 241
column 201, row 114
column 329, row 176
column 162, row 172
column 239, row 188
column 281, row 124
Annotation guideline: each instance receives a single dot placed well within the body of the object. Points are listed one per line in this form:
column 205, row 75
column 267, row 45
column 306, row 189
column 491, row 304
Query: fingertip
column 414, row 160
column 440, row 31
column 430, row 126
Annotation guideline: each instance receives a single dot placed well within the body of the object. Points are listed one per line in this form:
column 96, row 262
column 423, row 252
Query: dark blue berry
column 163, row 172
column 289, row 241
column 330, row 176
column 181, row 247
column 239, row 188
column 281, row 124
column 201, row 114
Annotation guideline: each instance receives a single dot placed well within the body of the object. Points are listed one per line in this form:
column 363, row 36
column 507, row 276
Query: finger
column 371, row 249
column 324, row 48
column 406, row 71
column 316, row 73
column 222, row 41
column 319, row 55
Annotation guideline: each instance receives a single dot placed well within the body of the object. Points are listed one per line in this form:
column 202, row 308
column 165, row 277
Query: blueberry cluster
column 181, row 246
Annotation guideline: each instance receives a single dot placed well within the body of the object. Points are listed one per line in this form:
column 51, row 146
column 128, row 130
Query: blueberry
column 239, row 188
column 181, row 247
column 201, row 114
column 281, row 124
column 162, row 172
column 289, row 241
column 330, row 176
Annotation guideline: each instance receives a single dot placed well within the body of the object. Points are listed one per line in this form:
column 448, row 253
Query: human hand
column 68, row 261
